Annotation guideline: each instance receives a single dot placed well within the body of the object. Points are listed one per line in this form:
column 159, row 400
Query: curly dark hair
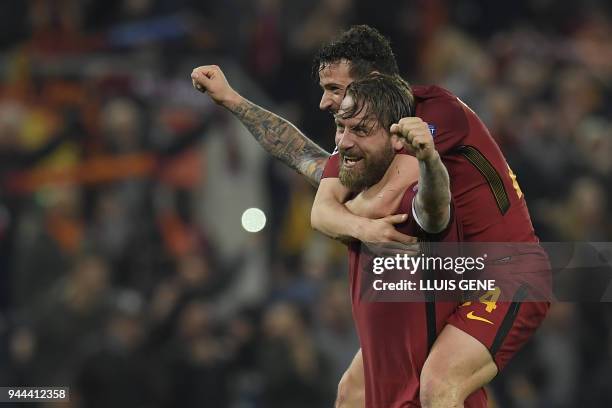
column 364, row 47
column 385, row 98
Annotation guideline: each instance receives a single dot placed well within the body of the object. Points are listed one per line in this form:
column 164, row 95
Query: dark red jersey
column 395, row 337
column 487, row 197
column 488, row 207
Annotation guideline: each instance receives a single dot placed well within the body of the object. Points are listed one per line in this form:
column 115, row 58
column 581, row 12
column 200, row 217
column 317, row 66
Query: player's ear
column 397, row 143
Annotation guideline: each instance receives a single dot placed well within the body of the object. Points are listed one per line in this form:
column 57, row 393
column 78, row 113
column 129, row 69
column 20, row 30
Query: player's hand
column 417, row 136
column 383, row 230
column 210, row 79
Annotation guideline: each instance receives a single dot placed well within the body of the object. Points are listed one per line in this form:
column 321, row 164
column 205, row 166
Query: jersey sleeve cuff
column 420, row 224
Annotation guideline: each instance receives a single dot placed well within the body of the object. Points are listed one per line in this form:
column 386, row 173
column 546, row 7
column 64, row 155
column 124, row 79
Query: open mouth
column 350, row 161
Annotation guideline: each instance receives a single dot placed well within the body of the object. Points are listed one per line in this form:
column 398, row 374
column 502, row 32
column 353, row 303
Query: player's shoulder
column 441, row 107
column 427, row 92
column 435, row 98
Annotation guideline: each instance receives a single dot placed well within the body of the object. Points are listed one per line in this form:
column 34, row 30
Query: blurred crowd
column 125, row 271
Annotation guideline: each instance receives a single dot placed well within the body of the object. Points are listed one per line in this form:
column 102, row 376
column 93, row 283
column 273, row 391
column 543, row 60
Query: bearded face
column 360, row 170
column 365, row 149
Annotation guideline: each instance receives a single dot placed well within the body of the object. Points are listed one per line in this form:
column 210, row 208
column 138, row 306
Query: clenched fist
column 210, row 79
column 417, row 136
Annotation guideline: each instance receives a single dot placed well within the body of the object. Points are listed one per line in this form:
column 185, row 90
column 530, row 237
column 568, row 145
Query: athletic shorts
column 503, row 326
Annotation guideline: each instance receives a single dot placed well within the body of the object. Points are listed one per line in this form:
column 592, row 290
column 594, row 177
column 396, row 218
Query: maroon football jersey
column 488, row 207
column 488, row 200
column 395, row 337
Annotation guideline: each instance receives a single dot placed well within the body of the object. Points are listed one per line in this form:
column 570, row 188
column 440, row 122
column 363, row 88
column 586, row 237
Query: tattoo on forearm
column 283, row 140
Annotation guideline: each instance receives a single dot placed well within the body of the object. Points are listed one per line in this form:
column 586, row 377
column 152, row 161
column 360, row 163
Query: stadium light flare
column 253, row 220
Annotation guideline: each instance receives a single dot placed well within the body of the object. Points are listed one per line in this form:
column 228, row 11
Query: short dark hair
column 364, row 47
column 385, row 98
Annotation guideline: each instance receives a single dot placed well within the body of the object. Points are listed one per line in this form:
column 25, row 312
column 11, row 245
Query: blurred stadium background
column 125, row 271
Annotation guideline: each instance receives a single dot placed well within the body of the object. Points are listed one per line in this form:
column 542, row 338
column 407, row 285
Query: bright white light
column 253, row 220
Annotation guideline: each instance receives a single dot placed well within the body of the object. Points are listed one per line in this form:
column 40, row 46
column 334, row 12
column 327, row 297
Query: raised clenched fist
column 210, row 79
column 417, row 136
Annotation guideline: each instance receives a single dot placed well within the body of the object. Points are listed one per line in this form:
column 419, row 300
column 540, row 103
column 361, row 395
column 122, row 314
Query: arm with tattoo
column 276, row 135
column 282, row 140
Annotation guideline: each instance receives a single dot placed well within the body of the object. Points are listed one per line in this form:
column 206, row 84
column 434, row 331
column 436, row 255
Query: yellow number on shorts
column 490, row 299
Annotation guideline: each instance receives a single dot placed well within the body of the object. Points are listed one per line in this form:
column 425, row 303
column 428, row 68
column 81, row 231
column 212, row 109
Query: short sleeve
column 420, row 224
column 452, row 232
column 412, row 226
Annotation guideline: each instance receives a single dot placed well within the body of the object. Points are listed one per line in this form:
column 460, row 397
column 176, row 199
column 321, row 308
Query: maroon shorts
column 505, row 326
column 504, row 330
